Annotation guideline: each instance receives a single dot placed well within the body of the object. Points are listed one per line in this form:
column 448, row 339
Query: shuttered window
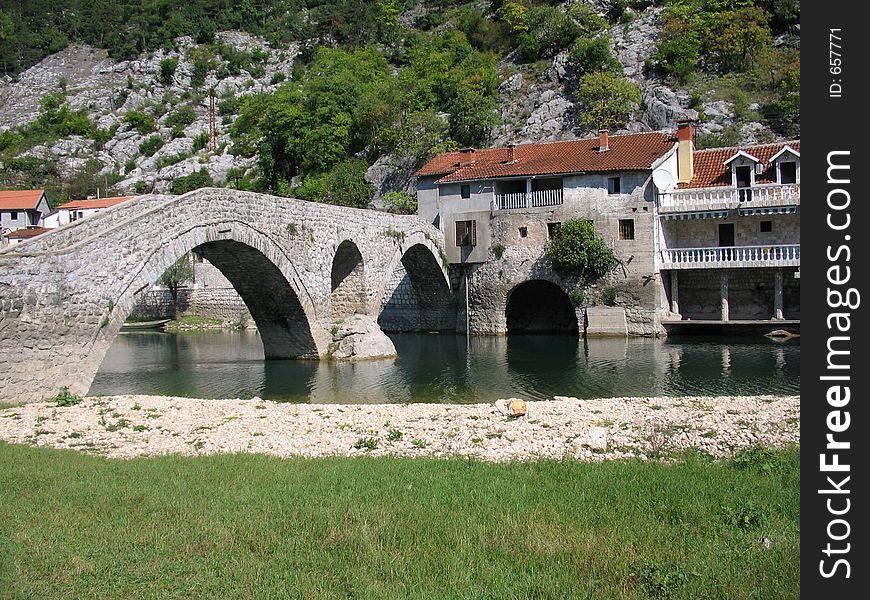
column 466, row 233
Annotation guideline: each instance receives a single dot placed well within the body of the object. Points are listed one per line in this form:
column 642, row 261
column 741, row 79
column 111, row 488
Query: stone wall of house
column 701, row 233
column 519, row 238
column 750, row 293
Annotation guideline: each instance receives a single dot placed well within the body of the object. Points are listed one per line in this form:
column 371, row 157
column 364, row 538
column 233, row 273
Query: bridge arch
column 348, row 294
column 540, row 306
column 416, row 294
column 257, row 267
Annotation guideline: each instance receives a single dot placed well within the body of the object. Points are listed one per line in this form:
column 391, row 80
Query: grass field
column 245, row 526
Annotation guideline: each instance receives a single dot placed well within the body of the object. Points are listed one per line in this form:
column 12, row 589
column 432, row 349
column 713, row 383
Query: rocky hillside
column 78, row 120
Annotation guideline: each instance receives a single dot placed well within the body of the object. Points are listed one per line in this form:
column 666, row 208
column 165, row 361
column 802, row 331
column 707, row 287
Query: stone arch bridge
column 299, row 266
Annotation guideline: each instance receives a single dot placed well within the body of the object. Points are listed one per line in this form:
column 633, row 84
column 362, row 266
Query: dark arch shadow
column 540, row 306
column 420, row 299
column 274, row 306
column 347, row 280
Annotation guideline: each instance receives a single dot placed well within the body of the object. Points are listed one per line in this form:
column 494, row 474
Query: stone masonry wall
column 520, row 237
column 750, row 294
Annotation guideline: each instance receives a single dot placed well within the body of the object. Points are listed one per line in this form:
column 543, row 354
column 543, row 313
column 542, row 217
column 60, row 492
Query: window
column 552, row 229
column 14, row 215
column 466, row 233
column 465, row 191
column 766, row 226
column 524, row 232
column 626, row 229
column 788, row 172
column 613, row 185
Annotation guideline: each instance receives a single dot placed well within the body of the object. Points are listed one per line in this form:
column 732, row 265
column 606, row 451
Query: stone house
column 729, row 232
column 20, row 209
column 699, row 234
column 499, row 207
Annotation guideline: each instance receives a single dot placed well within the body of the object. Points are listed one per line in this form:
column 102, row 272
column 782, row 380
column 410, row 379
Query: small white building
column 81, row 209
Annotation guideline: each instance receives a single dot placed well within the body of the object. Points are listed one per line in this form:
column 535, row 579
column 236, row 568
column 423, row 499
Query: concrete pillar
column 675, row 293
column 528, row 193
column 777, row 295
column 723, row 286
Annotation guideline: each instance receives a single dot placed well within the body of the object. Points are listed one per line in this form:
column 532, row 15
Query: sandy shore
column 130, row 426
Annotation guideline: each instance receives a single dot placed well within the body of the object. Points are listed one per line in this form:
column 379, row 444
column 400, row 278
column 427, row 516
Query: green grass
column 247, row 526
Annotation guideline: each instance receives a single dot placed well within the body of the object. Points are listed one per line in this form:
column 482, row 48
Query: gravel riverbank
column 130, row 426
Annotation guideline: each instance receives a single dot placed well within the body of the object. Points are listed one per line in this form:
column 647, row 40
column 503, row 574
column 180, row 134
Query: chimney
column 511, row 158
column 603, row 141
column 685, row 151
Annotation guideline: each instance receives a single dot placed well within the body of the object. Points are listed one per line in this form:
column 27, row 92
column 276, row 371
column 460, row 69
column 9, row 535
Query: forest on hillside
column 412, row 77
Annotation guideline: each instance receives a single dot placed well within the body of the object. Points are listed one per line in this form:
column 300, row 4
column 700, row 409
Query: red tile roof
column 627, row 153
column 711, row 170
column 29, row 232
column 19, row 199
column 93, row 203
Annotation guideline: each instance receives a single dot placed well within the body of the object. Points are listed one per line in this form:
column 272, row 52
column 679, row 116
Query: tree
column 577, row 249
column 608, row 100
column 346, row 185
column 472, row 117
column 194, row 181
column 400, row 203
column 175, row 277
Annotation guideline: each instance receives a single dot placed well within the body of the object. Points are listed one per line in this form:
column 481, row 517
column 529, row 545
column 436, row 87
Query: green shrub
column 167, row 70
column 194, row 181
column 65, row 398
column 151, row 145
column 140, row 121
column 610, row 294
column 576, row 248
column 183, row 115
column 140, row 186
column 608, row 99
column 498, row 250
column 400, row 203
column 200, row 141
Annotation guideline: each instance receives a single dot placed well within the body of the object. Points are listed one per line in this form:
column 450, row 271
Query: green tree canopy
column 577, row 249
column 608, row 100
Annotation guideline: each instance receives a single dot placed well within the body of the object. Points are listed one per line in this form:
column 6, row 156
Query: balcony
column 726, row 198
column 718, row 257
column 534, row 199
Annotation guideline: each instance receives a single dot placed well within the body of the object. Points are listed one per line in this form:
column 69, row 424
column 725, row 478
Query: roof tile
column 19, row 199
column 710, row 169
column 626, row 153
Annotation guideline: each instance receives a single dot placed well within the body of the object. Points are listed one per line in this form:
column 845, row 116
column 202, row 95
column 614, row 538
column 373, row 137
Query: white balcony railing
column 758, row 196
column 534, row 199
column 784, row 255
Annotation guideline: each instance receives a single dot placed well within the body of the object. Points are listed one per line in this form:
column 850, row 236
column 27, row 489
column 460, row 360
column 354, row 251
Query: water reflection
column 450, row 368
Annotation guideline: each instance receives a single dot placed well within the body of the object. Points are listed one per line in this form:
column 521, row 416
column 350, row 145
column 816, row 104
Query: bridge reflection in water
column 443, row 367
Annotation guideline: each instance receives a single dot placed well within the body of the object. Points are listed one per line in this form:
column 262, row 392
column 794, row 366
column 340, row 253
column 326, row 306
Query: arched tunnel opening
column 540, row 307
